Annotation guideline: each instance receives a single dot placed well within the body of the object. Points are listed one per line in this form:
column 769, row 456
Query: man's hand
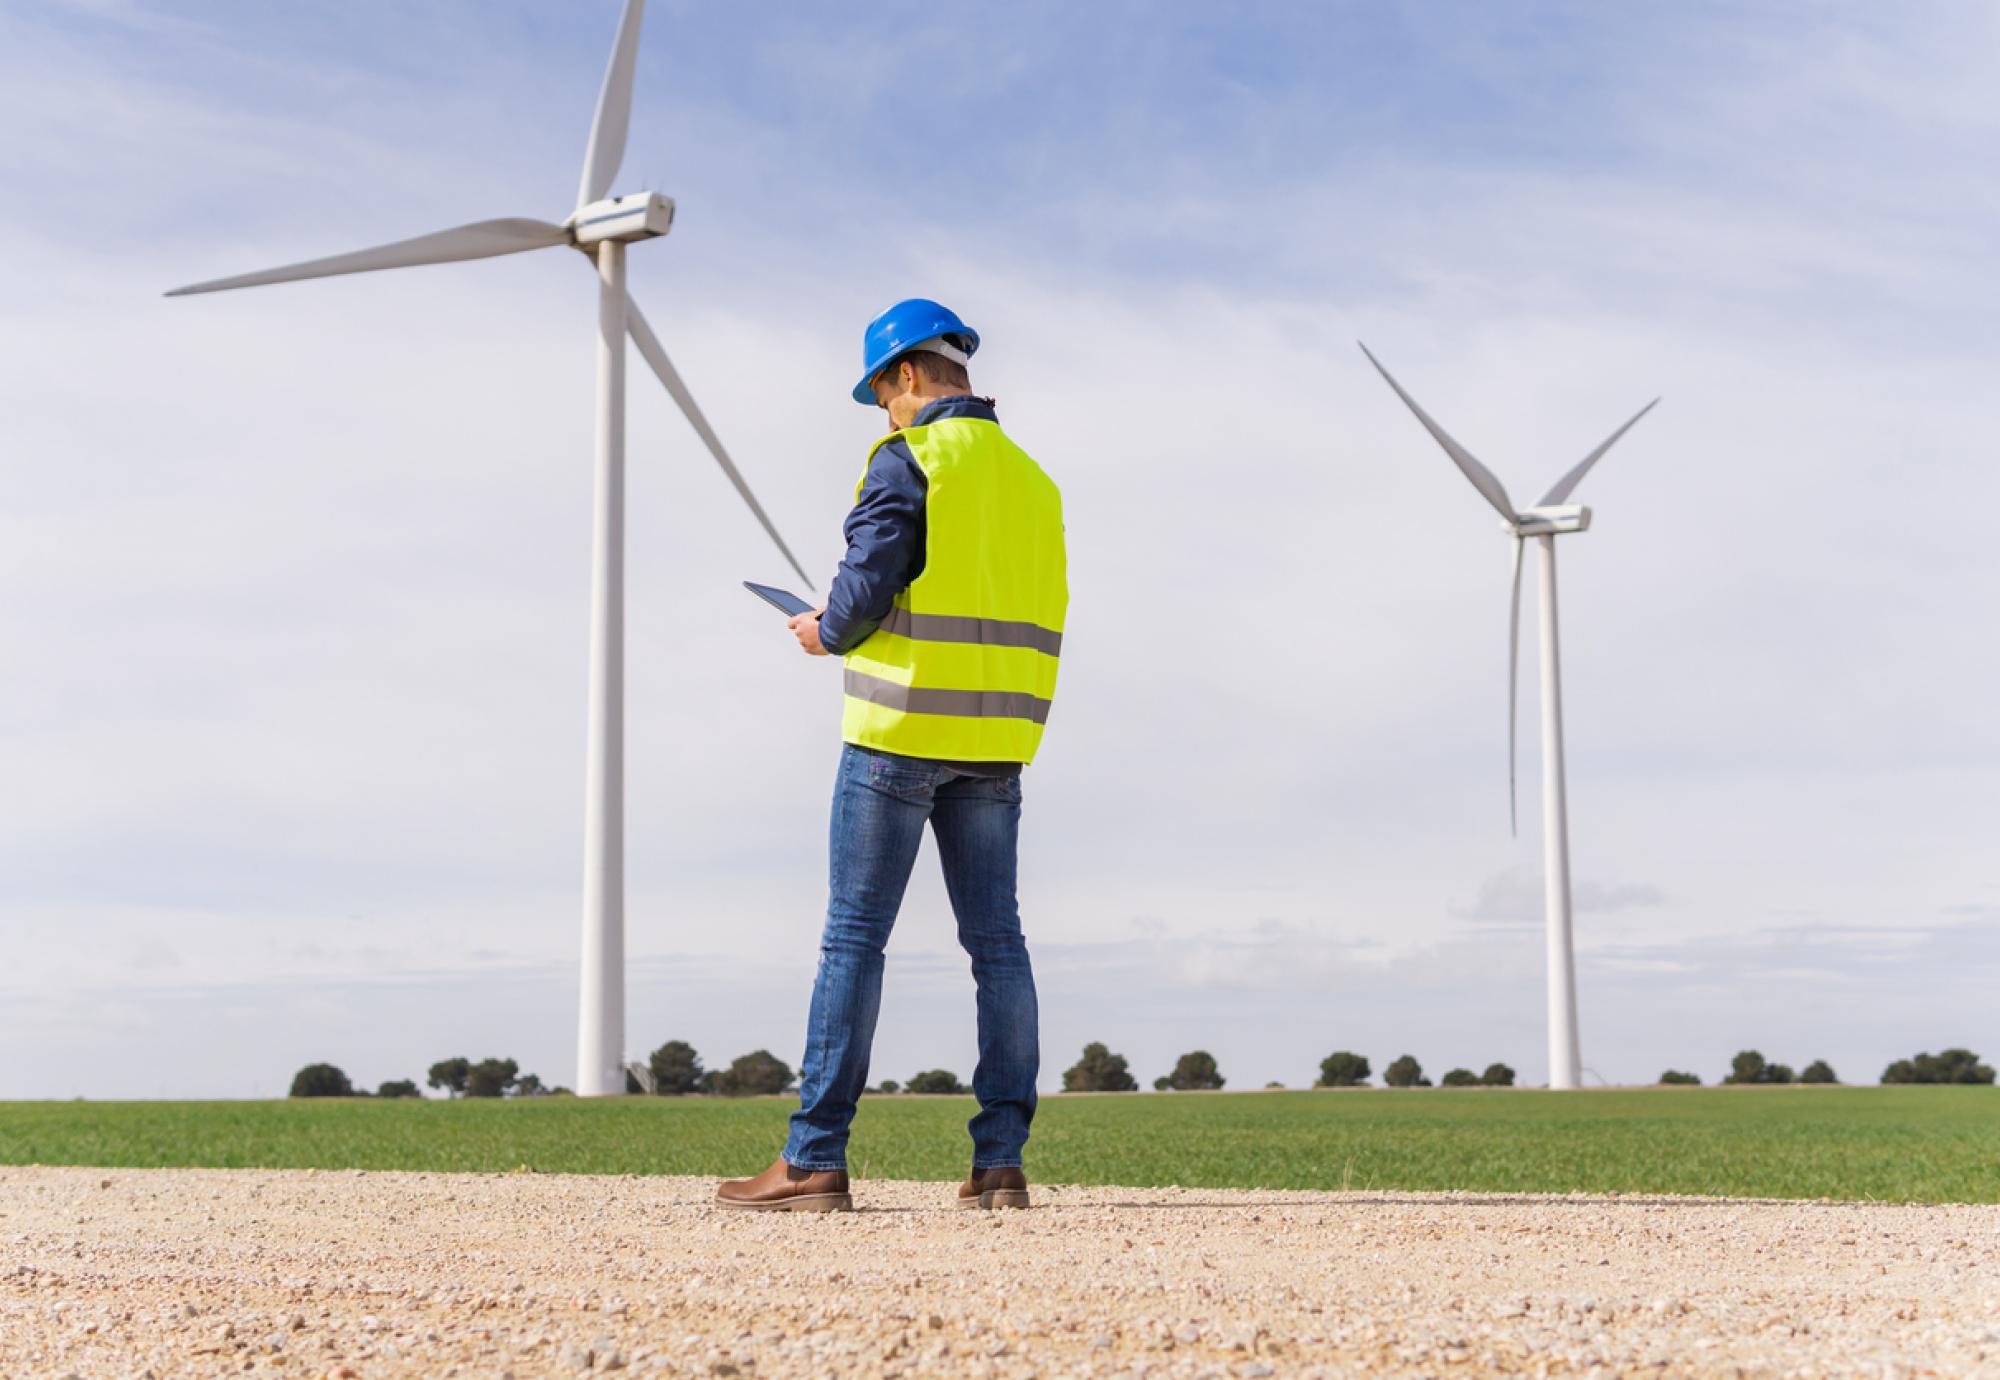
column 805, row 627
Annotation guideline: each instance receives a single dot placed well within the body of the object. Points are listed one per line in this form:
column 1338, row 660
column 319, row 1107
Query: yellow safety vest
column 964, row 666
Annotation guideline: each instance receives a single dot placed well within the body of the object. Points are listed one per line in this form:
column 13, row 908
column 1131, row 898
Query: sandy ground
column 206, row 1272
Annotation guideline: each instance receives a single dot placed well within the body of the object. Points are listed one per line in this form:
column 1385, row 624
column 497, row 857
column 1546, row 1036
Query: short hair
column 933, row 366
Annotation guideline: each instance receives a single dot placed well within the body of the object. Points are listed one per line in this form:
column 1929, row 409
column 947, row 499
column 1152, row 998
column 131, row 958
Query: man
column 948, row 610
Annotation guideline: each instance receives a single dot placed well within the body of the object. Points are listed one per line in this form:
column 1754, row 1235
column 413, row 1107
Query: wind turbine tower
column 1553, row 517
column 600, row 227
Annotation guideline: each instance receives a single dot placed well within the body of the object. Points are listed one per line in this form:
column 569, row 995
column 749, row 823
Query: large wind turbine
column 601, row 227
column 1552, row 517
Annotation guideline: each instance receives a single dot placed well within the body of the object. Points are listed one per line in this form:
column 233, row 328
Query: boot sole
column 804, row 1202
column 996, row 1198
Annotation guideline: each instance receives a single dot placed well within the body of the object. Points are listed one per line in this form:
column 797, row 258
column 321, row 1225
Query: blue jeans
column 880, row 803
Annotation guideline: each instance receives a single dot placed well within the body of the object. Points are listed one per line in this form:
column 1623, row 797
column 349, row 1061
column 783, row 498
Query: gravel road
column 119, row 1272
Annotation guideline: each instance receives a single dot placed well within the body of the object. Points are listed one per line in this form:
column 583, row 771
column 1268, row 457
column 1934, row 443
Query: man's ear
column 906, row 374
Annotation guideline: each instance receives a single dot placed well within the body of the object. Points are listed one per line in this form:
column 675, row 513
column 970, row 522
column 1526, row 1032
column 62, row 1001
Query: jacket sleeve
column 885, row 549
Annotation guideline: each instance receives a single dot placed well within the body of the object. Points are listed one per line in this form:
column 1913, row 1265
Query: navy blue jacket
column 885, row 533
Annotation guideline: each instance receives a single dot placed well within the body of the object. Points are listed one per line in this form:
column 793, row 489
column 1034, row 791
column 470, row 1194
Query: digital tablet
column 781, row 599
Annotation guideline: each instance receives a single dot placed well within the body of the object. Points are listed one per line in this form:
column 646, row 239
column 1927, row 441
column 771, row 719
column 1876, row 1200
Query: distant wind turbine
column 601, row 227
column 1547, row 520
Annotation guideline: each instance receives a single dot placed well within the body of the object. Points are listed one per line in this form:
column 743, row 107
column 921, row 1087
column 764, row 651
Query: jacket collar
column 959, row 405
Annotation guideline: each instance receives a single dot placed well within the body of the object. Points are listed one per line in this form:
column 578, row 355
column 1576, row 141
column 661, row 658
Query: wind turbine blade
column 649, row 346
column 1567, row 484
column 606, row 149
column 1514, row 694
column 1482, row 478
column 481, row 240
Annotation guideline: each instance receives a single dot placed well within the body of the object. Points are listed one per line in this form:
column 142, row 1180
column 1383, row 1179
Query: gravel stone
column 379, row 1276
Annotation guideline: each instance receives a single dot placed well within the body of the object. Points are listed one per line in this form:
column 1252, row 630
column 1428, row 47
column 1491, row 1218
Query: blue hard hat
column 903, row 327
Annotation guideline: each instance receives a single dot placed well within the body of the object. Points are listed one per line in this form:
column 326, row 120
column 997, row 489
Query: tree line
column 1750, row 1067
column 675, row 1070
column 1100, row 1070
column 456, row 1077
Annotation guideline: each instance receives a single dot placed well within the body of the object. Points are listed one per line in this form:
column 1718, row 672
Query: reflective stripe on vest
column 970, row 704
column 963, row 667
column 994, row 632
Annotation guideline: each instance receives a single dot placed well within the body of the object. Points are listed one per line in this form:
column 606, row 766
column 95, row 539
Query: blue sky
column 299, row 574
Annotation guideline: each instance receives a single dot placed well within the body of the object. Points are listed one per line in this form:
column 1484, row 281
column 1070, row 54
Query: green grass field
column 1923, row 1144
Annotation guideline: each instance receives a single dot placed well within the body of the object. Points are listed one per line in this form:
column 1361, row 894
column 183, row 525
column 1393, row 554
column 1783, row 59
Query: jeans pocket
column 900, row 777
column 1008, row 788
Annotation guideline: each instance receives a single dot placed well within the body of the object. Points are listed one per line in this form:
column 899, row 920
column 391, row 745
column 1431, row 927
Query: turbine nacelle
column 1551, row 521
column 640, row 216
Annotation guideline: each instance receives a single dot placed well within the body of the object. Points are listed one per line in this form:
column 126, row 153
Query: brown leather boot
column 786, row 1188
column 994, row 1188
